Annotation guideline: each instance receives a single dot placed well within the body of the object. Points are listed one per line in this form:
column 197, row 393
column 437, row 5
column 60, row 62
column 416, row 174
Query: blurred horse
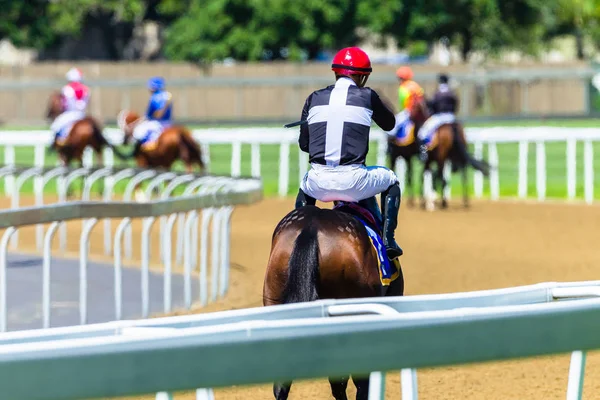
column 175, row 142
column 83, row 133
column 327, row 254
column 408, row 147
column 446, row 146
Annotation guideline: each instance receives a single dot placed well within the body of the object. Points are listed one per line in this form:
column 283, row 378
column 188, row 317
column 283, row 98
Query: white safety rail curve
column 261, row 345
column 285, row 138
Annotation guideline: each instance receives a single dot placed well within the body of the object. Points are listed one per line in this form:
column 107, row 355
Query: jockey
column 409, row 95
column 75, row 96
column 409, row 91
column 337, row 140
column 444, row 106
column 161, row 102
column 143, row 131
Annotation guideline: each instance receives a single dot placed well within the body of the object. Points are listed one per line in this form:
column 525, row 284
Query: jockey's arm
column 303, row 138
column 151, row 109
column 160, row 111
column 382, row 114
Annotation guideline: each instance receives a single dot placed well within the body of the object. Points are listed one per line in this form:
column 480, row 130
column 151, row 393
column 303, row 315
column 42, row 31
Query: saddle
column 358, row 211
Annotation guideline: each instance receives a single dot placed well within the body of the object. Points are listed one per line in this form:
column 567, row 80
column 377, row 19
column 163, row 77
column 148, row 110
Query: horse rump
column 189, row 149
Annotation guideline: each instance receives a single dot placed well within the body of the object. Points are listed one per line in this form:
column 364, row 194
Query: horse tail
column 191, row 147
column 103, row 141
column 480, row 165
column 303, row 268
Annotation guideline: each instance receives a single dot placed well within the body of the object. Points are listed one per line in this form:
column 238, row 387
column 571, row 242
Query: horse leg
column 427, row 192
column 409, row 183
column 282, row 390
column 338, row 388
column 444, row 183
column 362, row 388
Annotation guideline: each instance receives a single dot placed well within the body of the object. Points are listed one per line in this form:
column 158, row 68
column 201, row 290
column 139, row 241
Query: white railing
column 284, row 138
column 280, row 343
column 214, row 196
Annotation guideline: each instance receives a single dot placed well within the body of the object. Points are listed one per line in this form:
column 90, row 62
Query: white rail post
column 576, row 375
column 9, row 160
column 588, row 171
column 118, row 278
column 400, row 170
column 302, row 165
column 284, row 168
column 255, row 159
column 571, row 168
column 84, row 246
column 381, row 148
column 494, row 178
column 540, row 170
column 3, row 283
column 523, row 161
column 46, row 284
column 145, row 280
column 167, row 242
column 236, row 158
column 477, row 175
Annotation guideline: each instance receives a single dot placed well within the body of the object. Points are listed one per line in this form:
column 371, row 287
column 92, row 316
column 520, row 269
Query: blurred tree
column 115, row 19
column 486, row 25
column 580, row 18
column 26, row 23
column 259, row 29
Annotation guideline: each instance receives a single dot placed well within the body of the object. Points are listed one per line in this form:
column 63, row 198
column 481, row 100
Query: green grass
column 220, row 156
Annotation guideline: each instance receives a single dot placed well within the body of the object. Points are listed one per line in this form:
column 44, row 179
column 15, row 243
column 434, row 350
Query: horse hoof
column 410, row 202
column 444, row 204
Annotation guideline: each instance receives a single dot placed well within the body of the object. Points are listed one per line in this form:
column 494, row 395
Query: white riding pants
column 433, row 123
column 65, row 119
column 346, row 182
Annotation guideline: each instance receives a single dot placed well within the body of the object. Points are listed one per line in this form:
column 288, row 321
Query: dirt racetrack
column 491, row 245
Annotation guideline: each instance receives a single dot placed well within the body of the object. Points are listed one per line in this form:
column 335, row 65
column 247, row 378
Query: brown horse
column 324, row 254
column 175, row 142
column 83, row 133
column 449, row 144
column 408, row 147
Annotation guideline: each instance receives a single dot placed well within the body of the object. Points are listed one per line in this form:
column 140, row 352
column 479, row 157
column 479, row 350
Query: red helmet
column 351, row 61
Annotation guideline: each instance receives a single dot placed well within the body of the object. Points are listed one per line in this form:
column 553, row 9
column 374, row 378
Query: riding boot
column 390, row 200
column 373, row 207
column 137, row 147
column 53, row 144
column 302, row 199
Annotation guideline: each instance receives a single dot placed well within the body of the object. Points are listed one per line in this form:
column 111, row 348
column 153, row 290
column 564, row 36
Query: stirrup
column 393, row 252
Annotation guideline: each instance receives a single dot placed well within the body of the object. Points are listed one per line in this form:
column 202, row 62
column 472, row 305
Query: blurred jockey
column 409, row 95
column 337, row 140
column 75, row 96
column 444, row 107
column 161, row 102
column 143, row 131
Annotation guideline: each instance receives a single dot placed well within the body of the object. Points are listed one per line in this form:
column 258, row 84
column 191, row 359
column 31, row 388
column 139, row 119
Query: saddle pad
column 405, row 134
column 150, row 146
column 388, row 271
column 63, row 134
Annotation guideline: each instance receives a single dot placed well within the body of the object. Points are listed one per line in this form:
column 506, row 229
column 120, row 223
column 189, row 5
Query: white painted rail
column 262, row 345
column 286, row 139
